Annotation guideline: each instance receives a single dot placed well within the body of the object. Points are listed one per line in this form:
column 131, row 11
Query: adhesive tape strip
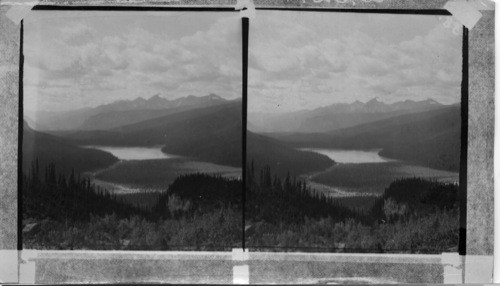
column 239, row 255
column 241, row 273
column 483, row 4
column 464, row 12
column 240, row 4
column 19, row 9
column 249, row 13
column 249, row 7
column 27, row 267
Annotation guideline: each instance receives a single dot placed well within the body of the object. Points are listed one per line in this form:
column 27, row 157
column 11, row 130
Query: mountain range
column 120, row 113
column 430, row 138
column 209, row 129
column 336, row 116
column 207, row 133
column 211, row 134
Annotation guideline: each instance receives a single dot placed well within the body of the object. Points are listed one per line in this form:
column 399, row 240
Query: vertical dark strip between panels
column 245, row 24
column 462, row 244
column 20, row 145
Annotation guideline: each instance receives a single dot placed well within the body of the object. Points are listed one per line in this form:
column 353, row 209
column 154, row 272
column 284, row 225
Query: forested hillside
column 65, row 155
column 210, row 134
column 283, row 158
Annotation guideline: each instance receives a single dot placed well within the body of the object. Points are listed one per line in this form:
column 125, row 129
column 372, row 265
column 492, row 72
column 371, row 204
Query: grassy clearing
column 219, row 229
column 434, row 233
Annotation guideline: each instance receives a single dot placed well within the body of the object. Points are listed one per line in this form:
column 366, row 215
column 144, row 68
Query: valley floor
column 139, row 176
column 370, row 179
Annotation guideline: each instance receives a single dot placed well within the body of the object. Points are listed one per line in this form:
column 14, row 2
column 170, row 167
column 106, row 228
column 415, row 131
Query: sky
column 76, row 59
column 305, row 60
column 297, row 60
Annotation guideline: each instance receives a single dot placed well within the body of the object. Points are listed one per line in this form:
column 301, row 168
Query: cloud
column 102, row 67
column 76, row 34
column 298, row 58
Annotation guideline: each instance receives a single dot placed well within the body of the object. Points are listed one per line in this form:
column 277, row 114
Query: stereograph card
column 237, row 142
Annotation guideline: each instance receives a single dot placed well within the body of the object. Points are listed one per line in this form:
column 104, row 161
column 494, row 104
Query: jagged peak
column 155, row 97
column 432, row 101
column 374, row 100
column 214, row 96
column 26, row 125
column 140, row 98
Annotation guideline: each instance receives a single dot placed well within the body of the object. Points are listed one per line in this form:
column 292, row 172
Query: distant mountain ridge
column 430, row 138
column 211, row 134
column 157, row 102
column 376, row 106
column 122, row 112
column 336, row 116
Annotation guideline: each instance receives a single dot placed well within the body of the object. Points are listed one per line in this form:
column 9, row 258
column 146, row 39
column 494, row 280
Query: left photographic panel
column 132, row 130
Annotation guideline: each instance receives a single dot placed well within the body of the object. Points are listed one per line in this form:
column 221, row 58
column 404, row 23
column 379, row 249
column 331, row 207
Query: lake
column 148, row 169
column 134, row 153
column 350, row 156
column 366, row 174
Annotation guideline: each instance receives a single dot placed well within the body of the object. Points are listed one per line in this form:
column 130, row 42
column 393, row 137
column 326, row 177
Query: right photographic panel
column 353, row 132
